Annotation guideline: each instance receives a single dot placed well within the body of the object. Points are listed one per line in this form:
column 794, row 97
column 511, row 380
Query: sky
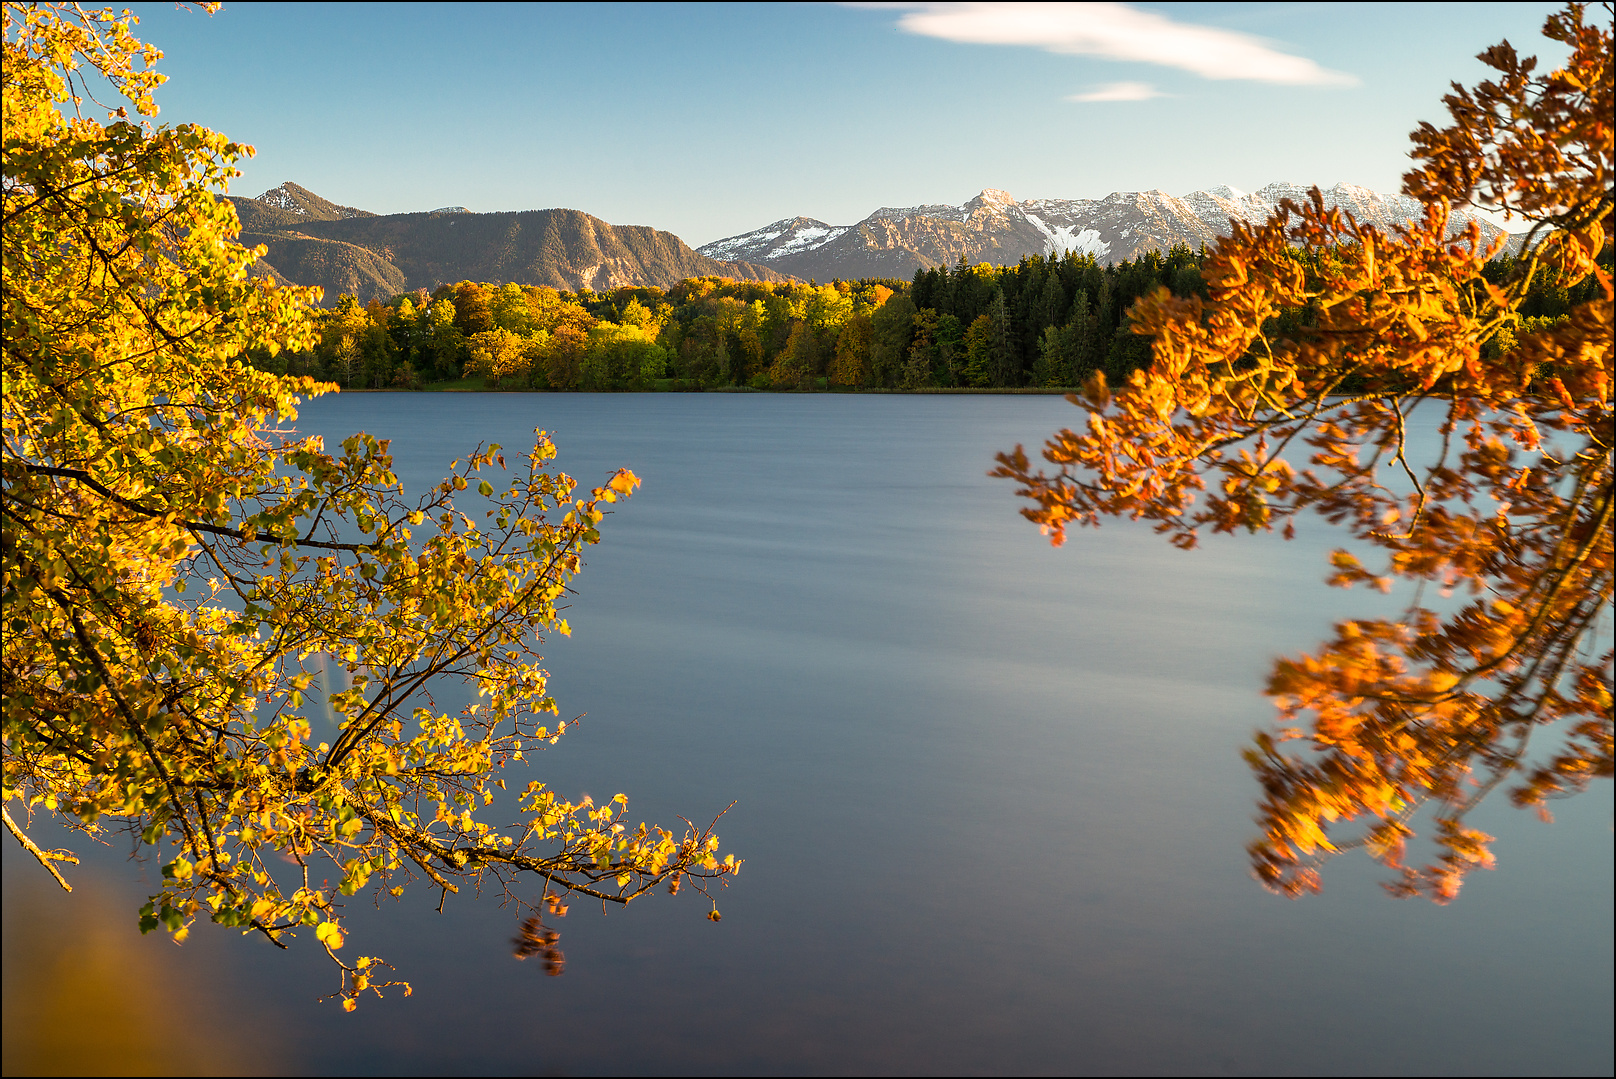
column 712, row 120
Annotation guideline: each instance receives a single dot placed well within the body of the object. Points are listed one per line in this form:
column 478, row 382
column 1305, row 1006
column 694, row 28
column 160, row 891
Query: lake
column 989, row 793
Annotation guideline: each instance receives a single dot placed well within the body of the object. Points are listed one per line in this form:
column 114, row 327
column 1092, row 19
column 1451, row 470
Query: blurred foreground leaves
column 85, row 994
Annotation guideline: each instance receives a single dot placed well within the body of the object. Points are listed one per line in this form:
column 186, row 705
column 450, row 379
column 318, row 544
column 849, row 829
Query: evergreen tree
column 922, row 288
column 1052, row 303
column 1005, row 363
column 942, row 295
column 1080, row 333
column 1049, row 359
column 950, row 345
column 1105, row 317
column 978, row 351
column 894, row 327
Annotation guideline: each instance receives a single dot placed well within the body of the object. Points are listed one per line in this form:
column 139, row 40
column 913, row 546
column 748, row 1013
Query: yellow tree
column 1515, row 508
column 498, row 354
column 177, row 569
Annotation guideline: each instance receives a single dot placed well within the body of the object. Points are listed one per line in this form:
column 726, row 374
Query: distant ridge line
column 995, row 227
column 345, row 250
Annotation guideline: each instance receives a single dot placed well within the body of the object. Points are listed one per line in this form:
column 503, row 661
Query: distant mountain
column 290, row 204
column 995, row 227
column 313, row 241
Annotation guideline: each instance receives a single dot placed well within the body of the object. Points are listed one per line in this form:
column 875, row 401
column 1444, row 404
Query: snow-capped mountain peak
column 785, row 237
column 297, row 199
column 280, row 198
column 996, row 227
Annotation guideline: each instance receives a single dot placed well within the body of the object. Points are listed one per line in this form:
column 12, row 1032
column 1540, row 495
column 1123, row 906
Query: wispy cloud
column 1119, row 91
column 1117, row 32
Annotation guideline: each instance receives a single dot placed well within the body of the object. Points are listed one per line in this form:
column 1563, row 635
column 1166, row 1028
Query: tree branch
column 44, row 857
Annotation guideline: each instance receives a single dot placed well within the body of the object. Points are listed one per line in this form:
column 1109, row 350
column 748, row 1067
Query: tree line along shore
column 1040, row 325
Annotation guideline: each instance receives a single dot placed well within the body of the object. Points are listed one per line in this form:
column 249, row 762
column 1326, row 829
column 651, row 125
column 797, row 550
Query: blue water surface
column 989, row 793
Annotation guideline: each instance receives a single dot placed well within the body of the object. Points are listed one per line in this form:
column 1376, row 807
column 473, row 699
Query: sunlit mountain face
column 313, row 241
column 996, row 227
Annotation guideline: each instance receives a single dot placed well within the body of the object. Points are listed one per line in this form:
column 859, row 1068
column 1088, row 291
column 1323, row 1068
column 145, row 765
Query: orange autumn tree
column 224, row 642
column 1241, row 423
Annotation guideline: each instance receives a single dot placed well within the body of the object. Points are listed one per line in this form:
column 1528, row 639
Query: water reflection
column 84, row 996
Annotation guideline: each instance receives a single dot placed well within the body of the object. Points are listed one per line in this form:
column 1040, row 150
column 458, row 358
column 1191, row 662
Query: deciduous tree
column 498, row 354
column 851, row 365
column 177, row 569
column 1515, row 509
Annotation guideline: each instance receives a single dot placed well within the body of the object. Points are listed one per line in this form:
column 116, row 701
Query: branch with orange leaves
column 1515, row 508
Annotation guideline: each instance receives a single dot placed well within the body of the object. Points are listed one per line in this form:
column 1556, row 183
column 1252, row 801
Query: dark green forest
column 1040, row 324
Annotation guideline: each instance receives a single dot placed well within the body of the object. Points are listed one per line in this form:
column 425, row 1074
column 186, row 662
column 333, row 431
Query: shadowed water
column 989, row 793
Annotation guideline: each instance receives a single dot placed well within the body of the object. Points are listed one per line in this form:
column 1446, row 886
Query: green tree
column 948, row 343
column 893, row 329
column 177, row 572
column 404, row 325
column 1052, row 302
column 800, row 361
column 828, row 310
column 1051, row 364
column 919, row 369
column 1081, row 333
column 621, row 357
column 443, row 342
column 509, row 308
column 635, row 314
column 751, row 334
column 1004, row 363
column 378, row 352
column 979, row 352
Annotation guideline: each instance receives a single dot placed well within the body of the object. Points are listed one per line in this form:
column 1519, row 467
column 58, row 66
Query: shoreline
column 1059, row 391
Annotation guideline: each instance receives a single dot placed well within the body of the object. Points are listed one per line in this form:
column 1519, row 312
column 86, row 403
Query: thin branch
column 45, row 858
column 85, row 478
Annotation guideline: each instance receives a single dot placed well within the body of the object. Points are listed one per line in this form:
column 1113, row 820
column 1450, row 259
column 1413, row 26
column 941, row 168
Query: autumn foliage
column 189, row 587
column 1293, row 387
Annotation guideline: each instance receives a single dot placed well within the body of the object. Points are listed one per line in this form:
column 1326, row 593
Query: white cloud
column 1117, row 32
column 1119, row 91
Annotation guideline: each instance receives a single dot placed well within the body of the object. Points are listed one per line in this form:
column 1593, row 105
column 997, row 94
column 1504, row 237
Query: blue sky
column 709, row 120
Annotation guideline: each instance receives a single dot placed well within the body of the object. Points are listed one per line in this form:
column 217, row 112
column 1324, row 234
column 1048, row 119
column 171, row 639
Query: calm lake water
column 989, row 793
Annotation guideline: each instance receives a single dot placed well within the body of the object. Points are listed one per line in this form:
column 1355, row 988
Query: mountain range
column 995, row 227
column 312, row 241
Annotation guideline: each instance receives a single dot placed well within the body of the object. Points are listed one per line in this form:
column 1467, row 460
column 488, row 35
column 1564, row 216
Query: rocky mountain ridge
column 996, row 227
column 313, row 241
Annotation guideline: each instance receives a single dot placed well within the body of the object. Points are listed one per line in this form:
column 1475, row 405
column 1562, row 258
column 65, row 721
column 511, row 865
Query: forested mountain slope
column 312, row 241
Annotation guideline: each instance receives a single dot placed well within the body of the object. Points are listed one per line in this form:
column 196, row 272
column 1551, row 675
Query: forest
column 1043, row 323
